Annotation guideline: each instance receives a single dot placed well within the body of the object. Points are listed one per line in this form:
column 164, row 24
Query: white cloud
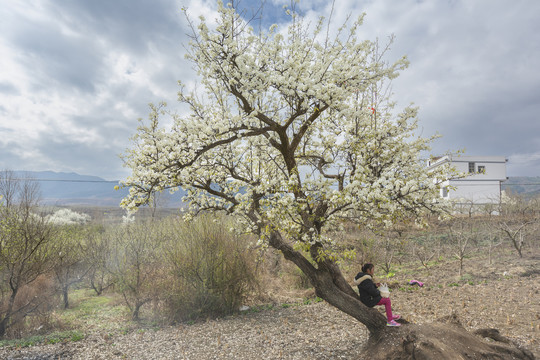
column 75, row 76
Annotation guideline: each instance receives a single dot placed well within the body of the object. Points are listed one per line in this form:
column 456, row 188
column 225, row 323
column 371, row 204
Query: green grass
column 309, row 301
column 103, row 312
column 259, row 308
column 88, row 313
column 409, row 288
column 52, row 338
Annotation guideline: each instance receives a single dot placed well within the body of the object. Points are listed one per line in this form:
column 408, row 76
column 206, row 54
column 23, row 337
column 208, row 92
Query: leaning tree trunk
column 331, row 286
column 445, row 339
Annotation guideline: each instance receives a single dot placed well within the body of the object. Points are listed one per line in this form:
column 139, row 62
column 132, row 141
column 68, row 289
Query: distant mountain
column 527, row 186
column 58, row 188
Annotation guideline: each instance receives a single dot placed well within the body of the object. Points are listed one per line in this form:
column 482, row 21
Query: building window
column 444, row 192
column 471, row 167
column 481, row 169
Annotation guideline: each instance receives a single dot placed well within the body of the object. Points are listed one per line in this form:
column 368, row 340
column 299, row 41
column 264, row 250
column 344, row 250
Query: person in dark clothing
column 371, row 296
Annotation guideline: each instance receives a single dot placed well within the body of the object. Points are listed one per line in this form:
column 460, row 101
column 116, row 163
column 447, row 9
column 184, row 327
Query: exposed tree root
column 445, row 339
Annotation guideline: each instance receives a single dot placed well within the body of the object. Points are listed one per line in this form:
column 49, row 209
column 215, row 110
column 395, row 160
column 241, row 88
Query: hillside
column 523, row 185
column 68, row 189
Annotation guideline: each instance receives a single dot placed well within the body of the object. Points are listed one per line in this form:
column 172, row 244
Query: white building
column 482, row 186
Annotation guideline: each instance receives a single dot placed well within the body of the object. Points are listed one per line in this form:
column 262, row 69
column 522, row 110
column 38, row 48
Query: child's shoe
column 393, row 323
column 396, row 317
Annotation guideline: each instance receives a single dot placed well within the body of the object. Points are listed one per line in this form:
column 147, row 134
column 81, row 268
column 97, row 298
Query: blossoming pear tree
column 292, row 135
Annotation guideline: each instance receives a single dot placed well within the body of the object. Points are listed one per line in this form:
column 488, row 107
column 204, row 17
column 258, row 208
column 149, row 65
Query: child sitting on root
column 371, row 296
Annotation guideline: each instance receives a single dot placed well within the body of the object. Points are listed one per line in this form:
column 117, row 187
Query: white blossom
column 68, row 217
column 287, row 134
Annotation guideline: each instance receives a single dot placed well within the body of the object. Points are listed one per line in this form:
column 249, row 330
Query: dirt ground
column 503, row 295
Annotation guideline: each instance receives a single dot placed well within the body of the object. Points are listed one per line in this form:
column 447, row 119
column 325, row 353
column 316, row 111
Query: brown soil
column 504, row 295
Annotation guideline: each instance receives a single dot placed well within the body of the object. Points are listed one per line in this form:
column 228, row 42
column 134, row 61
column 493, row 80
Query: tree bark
column 331, row 286
column 97, row 288
column 136, row 311
column 65, row 296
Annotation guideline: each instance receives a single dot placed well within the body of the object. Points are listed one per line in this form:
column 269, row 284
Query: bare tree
column 389, row 251
column 25, row 246
column 462, row 233
column 98, row 255
column 520, row 220
column 9, row 188
column 425, row 255
column 518, row 232
column 70, row 266
column 491, row 233
column 136, row 263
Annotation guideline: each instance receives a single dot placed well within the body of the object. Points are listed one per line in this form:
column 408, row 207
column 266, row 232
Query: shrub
column 136, row 263
column 39, row 299
column 212, row 269
column 98, row 255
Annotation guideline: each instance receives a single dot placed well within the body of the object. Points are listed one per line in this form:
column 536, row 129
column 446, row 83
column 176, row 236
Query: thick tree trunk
column 331, row 286
column 326, row 289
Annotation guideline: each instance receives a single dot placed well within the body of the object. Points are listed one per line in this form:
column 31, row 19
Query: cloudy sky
column 75, row 75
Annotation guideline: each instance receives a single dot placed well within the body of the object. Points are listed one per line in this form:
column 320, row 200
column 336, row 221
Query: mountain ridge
column 527, row 186
column 68, row 189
